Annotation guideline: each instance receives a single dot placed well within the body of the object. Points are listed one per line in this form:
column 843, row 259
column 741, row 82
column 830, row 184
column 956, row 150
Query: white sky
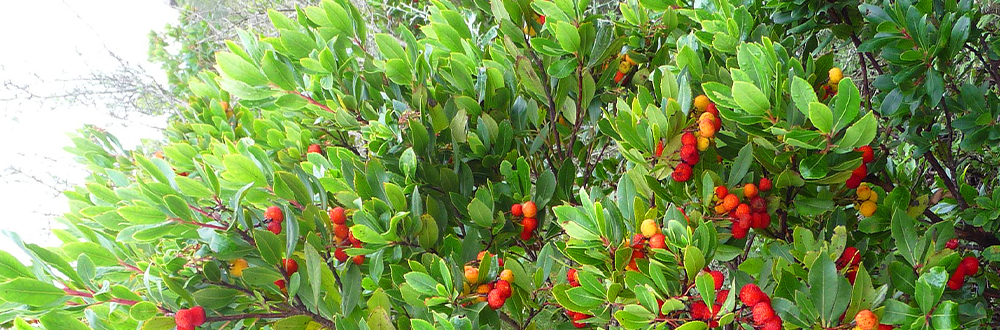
column 48, row 40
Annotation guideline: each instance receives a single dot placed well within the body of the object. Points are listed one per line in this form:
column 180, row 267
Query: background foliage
column 430, row 130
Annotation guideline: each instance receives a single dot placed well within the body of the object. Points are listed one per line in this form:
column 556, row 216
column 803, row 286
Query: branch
column 948, row 181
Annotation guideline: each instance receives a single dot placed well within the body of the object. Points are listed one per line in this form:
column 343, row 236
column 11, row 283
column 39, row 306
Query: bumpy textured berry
column 515, row 210
column 742, row 209
column 751, row 294
column 358, row 260
column 503, row 287
column 957, row 279
column 971, row 265
column 682, row 173
column 495, row 299
column 274, row 227
column 866, row 320
column 773, row 324
column 868, row 208
column 718, row 278
column 340, row 255
column 853, row 182
column 579, row 317
column 571, row 277
column 749, row 190
column 730, row 202
column 764, row 185
column 190, row 318
column 658, row 241
column 471, row 274
column 720, row 297
column 952, row 244
column 758, row 204
column 739, row 232
column 706, row 125
column 529, row 209
column 689, row 155
column 314, row 148
column 701, row 102
column 273, row 213
column 337, row 215
column 688, row 139
column 341, row 231
column 835, row 76
column 762, row 312
column 649, row 228
column 850, row 256
column 860, row 172
column 237, row 267
column 703, row 143
column 529, row 224
column 659, row 149
column 507, row 275
column 700, row 311
column 721, row 192
column 867, row 154
column 291, row 266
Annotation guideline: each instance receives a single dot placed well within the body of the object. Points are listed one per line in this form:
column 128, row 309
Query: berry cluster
column 290, row 266
column 866, row 200
column 624, row 67
column 760, row 304
column 494, row 293
column 574, row 281
column 849, row 259
column 273, row 217
column 859, row 174
column 968, row 266
column 343, row 237
column 700, row 311
column 708, row 124
column 836, row 75
column 529, row 223
column 188, row 319
column 746, row 215
column 649, row 236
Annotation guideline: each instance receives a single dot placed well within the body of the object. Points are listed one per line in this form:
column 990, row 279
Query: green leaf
column 821, row 116
column 568, row 36
column 848, row 104
column 693, row 325
column 142, row 215
column 30, row 292
column 741, row 165
column 750, row 98
column 945, row 316
column 143, row 311
column 367, row 235
column 694, row 261
column 215, row 297
column 399, row 71
column 278, row 72
column 178, row 207
column 421, row 282
column 314, row 268
column 896, row 312
column 242, row 170
column 860, row 133
column 480, row 213
column 905, row 235
column 233, row 66
column 803, row 94
column 929, row 288
column 10, row 267
column 62, row 321
column 706, row 287
column 828, row 290
column 269, row 246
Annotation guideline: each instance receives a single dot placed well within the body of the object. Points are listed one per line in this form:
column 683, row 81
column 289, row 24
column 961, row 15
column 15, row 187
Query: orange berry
column 483, row 289
column 866, row 320
column 742, row 210
column 507, row 275
column 314, row 148
column 471, row 274
column 701, row 102
column 341, row 231
column 721, row 192
column 730, row 202
column 749, row 190
column 649, row 228
column 273, row 213
column 528, row 209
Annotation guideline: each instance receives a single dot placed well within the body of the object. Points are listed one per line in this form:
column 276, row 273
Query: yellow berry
column 471, row 274
column 873, row 197
column 703, row 143
column 507, row 275
column 649, row 228
column 864, row 194
column 835, row 76
column 868, row 208
column 624, row 66
column 238, row 266
column 701, row 102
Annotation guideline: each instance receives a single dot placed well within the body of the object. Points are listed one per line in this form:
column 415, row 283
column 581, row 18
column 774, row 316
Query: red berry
column 688, row 139
column 337, row 215
column 273, row 213
column 849, row 257
column 971, row 265
column 280, row 284
column 341, row 231
column 314, row 148
column 867, row 154
column 751, row 294
column 340, row 254
column 773, row 324
column 658, row 241
column 712, row 109
column 853, row 182
column 739, row 232
column 529, row 224
column 764, row 185
column 758, row 204
column 579, row 317
column 682, row 172
column 721, row 296
column 515, row 210
column 619, row 76
column 689, row 154
column 952, row 244
column 495, row 299
column 274, row 227
column 291, row 266
column 503, row 287
column 718, row 277
column 572, row 277
column 721, row 192
column 190, row 318
column 659, row 149
column 699, row 311
column 359, row 259
column 638, row 240
column 742, row 209
column 762, row 312
column 525, row 234
column 529, row 209
column 860, row 172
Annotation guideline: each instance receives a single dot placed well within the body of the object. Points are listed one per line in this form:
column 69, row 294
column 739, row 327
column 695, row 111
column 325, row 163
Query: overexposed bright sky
column 41, row 43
